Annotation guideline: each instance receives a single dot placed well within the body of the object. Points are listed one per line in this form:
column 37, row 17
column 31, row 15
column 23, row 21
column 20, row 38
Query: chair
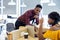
column 10, row 27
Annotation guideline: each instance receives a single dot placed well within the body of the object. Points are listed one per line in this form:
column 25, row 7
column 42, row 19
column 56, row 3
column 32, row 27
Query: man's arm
column 27, row 17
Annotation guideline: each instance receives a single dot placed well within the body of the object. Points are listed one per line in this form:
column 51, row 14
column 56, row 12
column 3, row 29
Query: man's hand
column 36, row 16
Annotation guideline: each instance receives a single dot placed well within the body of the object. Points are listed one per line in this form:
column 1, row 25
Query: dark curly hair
column 55, row 16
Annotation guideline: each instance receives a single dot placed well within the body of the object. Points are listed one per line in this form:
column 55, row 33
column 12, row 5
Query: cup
column 26, row 35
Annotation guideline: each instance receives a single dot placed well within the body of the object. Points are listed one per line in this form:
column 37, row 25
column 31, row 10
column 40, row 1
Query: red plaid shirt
column 28, row 16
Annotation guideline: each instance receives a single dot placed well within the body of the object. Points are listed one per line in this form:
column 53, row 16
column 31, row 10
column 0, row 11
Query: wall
column 46, row 9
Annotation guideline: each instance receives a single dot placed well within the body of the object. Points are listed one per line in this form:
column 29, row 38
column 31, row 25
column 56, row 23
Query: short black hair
column 38, row 5
column 55, row 16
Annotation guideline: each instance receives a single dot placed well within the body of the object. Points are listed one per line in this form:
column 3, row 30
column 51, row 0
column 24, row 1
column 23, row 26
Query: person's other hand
column 36, row 16
column 55, row 27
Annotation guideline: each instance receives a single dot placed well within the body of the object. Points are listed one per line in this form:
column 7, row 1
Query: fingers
column 35, row 16
column 41, row 21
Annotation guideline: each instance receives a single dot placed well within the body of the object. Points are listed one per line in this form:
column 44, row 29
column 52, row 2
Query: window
column 9, row 9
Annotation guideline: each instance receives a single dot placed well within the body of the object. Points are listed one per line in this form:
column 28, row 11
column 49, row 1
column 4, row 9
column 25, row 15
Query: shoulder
column 29, row 10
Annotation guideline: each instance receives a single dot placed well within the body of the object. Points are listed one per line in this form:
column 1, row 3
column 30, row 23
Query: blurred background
column 29, row 4
column 10, row 10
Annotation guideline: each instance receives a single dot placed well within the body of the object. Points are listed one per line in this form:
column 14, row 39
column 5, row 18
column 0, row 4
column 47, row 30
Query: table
column 29, row 38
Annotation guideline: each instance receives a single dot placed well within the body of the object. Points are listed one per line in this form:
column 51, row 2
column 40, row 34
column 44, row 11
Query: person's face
column 37, row 10
column 50, row 21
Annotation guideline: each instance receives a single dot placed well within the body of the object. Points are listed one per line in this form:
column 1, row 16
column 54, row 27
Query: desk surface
column 29, row 38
